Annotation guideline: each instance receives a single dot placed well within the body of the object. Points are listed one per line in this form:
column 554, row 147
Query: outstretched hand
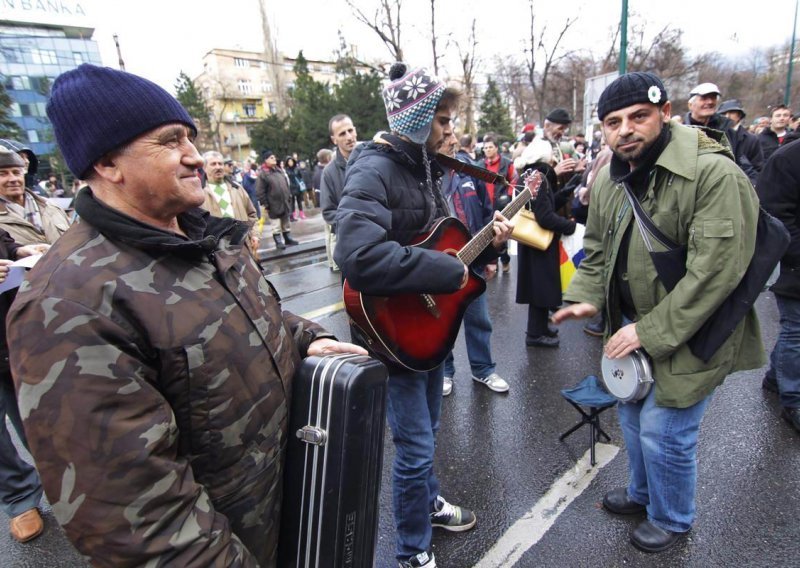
column 574, row 311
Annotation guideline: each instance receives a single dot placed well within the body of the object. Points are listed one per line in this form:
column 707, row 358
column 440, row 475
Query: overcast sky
column 161, row 37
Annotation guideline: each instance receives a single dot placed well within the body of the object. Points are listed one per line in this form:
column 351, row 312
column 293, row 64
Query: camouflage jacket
column 153, row 373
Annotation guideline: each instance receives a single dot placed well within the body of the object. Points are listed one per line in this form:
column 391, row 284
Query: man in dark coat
column 392, row 193
column 746, row 148
column 777, row 133
column 344, row 135
column 779, row 190
column 272, row 188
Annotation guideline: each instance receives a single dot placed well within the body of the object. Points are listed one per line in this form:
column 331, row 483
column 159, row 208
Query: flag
column 571, row 254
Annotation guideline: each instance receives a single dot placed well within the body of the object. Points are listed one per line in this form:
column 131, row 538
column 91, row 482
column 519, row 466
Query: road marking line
column 534, row 524
column 313, row 314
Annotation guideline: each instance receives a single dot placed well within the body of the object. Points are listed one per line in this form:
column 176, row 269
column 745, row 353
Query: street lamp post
column 787, row 95
column 623, row 43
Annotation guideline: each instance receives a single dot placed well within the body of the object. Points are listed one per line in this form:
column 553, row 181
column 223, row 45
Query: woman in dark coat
column 539, row 272
column 297, row 186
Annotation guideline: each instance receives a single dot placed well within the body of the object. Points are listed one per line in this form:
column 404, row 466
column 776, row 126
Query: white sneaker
column 447, row 386
column 494, row 382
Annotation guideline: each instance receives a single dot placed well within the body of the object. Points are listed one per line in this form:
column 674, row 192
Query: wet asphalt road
column 499, row 454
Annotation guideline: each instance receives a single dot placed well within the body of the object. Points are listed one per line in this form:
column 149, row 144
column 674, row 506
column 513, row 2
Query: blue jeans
column 478, row 335
column 784, row 360
column 20, row 488
column 662, row 455
column 415, row 404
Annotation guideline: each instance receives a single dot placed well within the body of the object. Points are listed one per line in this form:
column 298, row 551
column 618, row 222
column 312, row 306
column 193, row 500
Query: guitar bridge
column 430, row 305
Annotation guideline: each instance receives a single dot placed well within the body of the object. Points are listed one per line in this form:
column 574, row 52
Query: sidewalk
column 309, row 232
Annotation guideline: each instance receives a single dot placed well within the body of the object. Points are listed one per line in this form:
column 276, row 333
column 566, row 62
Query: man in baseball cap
column 703, row 103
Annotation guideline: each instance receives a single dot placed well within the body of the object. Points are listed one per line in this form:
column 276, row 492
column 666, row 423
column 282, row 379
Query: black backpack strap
column 646, row 226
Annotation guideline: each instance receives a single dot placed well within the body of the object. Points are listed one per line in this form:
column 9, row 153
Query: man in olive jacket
column 694, row 192
column 152, row 360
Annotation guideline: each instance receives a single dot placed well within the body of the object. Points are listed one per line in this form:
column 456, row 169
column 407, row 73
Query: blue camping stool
column 591, row 394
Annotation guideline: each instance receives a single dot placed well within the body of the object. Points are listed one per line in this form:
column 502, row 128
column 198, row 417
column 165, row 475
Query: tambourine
column 629, row 378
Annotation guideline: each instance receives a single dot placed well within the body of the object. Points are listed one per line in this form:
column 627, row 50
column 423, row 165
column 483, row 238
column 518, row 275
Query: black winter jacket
column 386, row 203
column 746, row 147
column 778, row 189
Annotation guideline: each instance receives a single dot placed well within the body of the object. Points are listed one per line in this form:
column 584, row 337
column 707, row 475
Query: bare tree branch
column 433, row 38
column 386, row 24
column 469, row 62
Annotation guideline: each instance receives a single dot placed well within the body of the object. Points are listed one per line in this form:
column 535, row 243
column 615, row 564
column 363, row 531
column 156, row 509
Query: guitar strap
column 471, row 170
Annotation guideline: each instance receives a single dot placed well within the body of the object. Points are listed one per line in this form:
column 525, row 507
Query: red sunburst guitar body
column 417, row 331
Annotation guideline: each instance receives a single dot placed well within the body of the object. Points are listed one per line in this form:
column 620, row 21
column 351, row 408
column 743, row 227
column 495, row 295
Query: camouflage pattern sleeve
column 304, row 332
column 105, row 442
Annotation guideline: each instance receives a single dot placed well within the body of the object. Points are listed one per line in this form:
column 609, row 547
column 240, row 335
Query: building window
column 245, row 86
column 20, row 83
column 266, row 87
column 273, row 108
column 78, row 57
column 44, row 56
column 239, row 62
column 262, row 64
column 327, row 69
column 15, row 110
column 249, row 110
column 11, row 54
column 288, row 67
column 33, row 136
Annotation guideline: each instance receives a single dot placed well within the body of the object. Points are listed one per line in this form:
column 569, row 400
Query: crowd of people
column 142, row 405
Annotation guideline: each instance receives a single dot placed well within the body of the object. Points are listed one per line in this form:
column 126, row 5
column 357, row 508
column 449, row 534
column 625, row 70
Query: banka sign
column 52, row 12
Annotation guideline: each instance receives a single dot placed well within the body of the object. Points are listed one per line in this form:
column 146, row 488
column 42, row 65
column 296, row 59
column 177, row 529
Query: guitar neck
column 482, row 238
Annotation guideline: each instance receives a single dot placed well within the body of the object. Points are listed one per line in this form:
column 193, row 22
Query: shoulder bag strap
column 646, row 226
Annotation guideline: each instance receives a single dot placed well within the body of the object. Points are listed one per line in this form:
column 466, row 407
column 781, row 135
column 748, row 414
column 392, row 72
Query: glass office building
column 31, row 57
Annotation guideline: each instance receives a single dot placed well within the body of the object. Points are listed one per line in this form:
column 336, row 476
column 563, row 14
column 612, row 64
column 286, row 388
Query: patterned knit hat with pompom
column 411, row 98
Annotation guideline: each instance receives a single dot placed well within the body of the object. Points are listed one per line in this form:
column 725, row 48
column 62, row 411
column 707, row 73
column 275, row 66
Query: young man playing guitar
column 392, row 193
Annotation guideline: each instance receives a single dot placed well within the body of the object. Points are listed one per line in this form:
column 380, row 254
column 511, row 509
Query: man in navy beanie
column 152, row 358
column 698, row 198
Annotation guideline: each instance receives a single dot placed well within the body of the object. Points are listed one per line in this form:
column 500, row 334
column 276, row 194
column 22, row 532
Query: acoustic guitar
column 417, row 331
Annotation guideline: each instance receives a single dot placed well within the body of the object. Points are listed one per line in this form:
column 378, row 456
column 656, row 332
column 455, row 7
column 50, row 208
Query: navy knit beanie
column 630, row 89
column 95, row 110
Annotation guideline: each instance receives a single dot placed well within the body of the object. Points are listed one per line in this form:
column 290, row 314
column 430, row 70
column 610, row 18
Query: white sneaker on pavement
column 493, row 381
column 447, row 386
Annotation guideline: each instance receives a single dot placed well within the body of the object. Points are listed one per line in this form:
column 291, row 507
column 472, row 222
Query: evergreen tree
column 187, row 94
column 8, row 128
column 312, row 106
column 359, row 97
column 274, row 133
column 495, row 116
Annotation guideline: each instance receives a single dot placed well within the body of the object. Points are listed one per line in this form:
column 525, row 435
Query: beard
column 634, row 154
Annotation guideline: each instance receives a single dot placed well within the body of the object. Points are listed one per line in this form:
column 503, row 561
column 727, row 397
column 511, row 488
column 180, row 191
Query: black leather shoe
column 551, row 332
column 792, row 416
column 650, row 538
column 541, row 341
column 617, row 501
